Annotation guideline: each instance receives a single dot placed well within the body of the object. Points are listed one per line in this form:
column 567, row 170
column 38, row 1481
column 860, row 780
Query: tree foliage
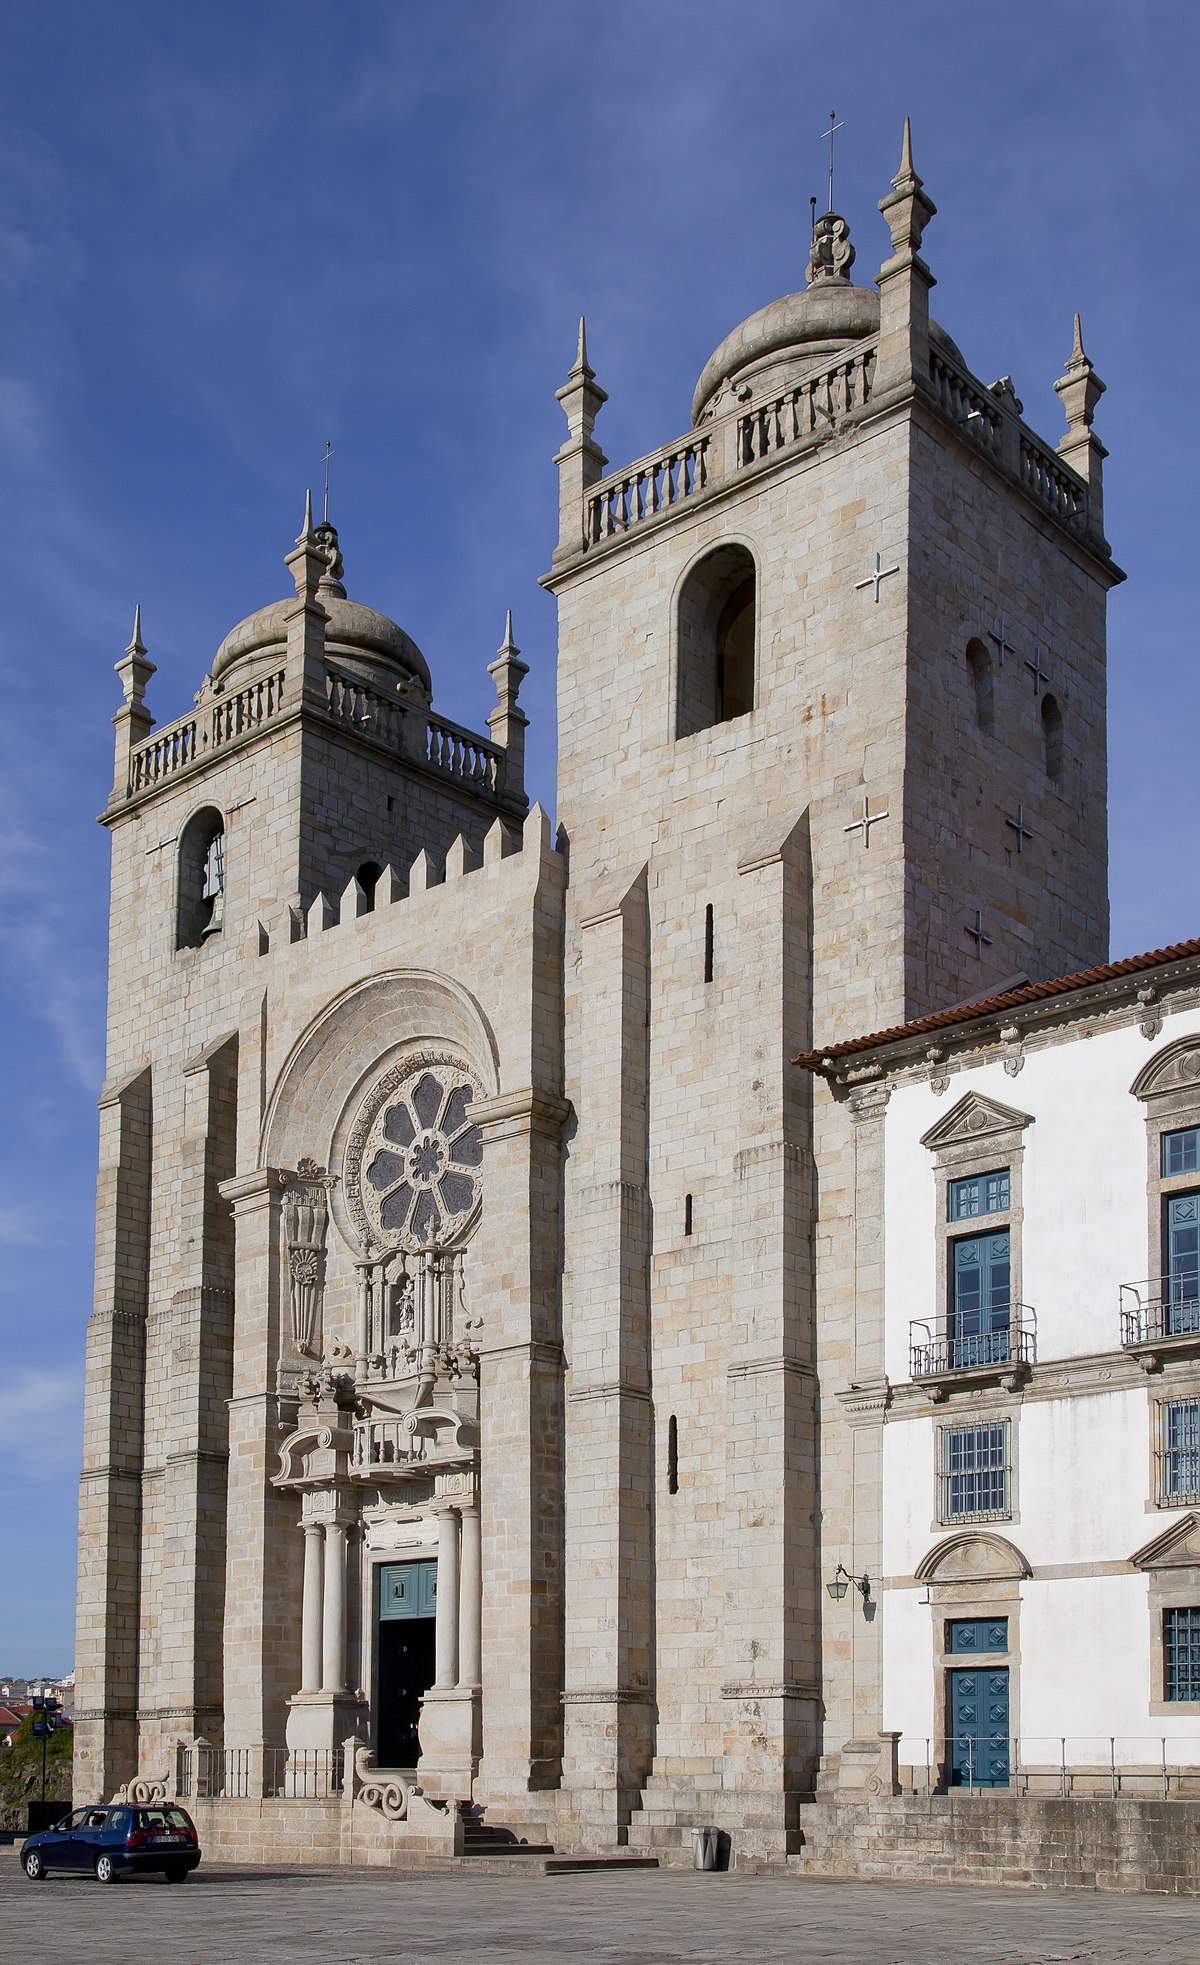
column 21, row 1772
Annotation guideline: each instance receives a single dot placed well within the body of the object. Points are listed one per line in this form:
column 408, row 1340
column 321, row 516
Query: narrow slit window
column 687, row 1214
column 672, row 1455
column 1052, row 738
column 368, row 877
column 709, row 943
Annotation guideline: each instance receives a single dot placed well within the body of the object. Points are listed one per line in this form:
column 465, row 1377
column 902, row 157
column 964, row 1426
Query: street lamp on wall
column 841, row 1580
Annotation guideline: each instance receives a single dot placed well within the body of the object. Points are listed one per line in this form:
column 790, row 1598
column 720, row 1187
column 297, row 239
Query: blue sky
column 230, row 232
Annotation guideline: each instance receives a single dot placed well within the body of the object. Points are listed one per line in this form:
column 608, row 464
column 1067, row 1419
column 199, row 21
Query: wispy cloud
column 41, row 1420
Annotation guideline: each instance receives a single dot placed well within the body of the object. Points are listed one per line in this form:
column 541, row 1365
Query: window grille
column 1179, row 1451
column 1181, row 1653
column 980, row 1194
column 973, row 1480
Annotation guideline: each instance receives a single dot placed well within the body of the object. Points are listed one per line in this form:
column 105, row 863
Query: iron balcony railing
column 936, row 1355
column 1070, row 1767
column 1160, row 1308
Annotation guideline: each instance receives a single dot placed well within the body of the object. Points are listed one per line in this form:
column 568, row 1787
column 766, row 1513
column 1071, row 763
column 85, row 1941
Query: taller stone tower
column 831, row 756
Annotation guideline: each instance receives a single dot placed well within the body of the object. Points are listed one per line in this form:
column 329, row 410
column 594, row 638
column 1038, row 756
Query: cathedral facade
column 470, row 1404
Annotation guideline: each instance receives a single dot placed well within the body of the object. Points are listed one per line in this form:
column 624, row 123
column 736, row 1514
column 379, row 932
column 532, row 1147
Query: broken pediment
column 1176, row 1068
column 1178, row 1547
column 974, row 1117
column 972, row 1558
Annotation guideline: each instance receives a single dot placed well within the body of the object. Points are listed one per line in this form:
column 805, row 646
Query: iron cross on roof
column 833, row 125
column 329, row 452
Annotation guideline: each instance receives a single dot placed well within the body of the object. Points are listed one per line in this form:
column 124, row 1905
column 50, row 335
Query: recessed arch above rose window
column 414, row 1162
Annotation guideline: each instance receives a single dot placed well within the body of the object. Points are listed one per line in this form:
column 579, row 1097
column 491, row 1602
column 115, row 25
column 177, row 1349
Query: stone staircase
column 491, row 1850
column 672, row 1806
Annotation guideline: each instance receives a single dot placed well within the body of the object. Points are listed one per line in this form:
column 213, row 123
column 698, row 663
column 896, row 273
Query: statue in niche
column 305, row 1219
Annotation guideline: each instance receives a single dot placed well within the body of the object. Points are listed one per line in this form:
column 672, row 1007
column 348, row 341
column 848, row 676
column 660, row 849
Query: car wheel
column 177, row 1873
column 106, row 1870
column 34, row 1867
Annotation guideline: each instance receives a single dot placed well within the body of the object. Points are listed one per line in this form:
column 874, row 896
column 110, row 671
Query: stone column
column 446, row 1635
column 470, row 1601
column 333, row 1622
column 312, row 1614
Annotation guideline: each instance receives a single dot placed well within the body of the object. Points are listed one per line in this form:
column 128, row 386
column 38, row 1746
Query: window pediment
column 1176, row 1068
column 972, row 1559
column 1178, row 1547
column 974, row 1118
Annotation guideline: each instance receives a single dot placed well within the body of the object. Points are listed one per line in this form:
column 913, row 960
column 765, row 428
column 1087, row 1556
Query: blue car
column 112, row 1841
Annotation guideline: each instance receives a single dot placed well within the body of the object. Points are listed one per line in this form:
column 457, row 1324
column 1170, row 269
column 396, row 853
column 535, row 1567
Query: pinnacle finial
column 1077, row 356
column 137, row 646
column 306, row 530
column 581, row 351
column 508, row 645
column 906, row 157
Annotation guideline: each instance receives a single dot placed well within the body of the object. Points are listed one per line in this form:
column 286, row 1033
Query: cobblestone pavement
column 360, row 1917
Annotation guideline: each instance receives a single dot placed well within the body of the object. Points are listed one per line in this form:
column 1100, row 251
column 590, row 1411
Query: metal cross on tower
column 1020, row 828
column 881, row 572
column 329, row 452
column 1036, row 670
column 867, row 820
column 1000, row 637
column 833, row 125
column 977, row 935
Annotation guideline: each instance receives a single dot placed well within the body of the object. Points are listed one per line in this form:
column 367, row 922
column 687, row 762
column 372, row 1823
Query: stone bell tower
column 831, row 756
column 311, row 767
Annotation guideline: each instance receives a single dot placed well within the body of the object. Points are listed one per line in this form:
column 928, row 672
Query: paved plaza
column 267, row 1917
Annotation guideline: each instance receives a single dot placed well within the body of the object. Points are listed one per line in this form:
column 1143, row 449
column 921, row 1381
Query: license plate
column 168, row 1838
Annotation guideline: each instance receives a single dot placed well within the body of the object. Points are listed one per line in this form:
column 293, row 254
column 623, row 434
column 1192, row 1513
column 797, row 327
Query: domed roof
column 360, row 639
column 792, row 333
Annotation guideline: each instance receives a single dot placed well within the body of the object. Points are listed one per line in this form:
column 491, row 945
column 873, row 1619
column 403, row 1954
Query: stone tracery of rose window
column 421, row 1160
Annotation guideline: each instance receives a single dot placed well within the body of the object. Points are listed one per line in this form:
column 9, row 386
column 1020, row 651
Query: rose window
column 417, row 1182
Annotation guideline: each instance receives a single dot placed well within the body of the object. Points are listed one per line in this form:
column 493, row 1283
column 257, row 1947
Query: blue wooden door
column 1182, row 1297
column 979, row 1727
column 980, row 1288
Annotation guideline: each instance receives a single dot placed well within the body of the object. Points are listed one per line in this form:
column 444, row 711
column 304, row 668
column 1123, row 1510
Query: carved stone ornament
column 1174, row 1069
column 832, row 254
column 414, row 1162
column 974, row 1117
column 305, row 1220
column 1178, row 1547
column 972, row 1557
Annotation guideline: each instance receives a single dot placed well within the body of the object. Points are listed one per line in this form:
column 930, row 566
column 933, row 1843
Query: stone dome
column 789, row 335
column 357, row 639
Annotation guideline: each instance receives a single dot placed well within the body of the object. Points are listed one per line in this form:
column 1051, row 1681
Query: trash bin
column 704, row 1848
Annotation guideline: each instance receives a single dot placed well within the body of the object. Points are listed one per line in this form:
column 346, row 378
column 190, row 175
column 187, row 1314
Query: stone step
column 524, row 1861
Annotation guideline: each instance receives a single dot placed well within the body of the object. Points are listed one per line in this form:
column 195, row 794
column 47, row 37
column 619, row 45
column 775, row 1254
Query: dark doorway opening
column 404, row 1658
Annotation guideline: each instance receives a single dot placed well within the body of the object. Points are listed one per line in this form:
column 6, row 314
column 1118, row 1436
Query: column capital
column 247, row 1192
column 529, row 1110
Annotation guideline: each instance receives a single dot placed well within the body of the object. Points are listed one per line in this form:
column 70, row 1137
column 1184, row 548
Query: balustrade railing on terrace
column 1161, row 1307
column 1068, row 1766
column 1047, row 479
column 966, row 401
column 442, row 746
column 814, row 406
column 651, row 486
column 383, row 1443
column 249, row 1773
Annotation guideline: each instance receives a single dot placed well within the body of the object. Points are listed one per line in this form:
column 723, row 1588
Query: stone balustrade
column 812, row 408
column 648, row 489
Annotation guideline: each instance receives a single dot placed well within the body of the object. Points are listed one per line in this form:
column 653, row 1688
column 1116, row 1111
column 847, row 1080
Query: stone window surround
column 991, row 1599
column 1170, row 1589
column 1177, row 1379
column 1170, row 1104
column 992, row 1410
column 997, row 1142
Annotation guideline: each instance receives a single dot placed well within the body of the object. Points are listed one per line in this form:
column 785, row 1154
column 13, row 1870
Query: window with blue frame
column 980, row 1194
column 1181, row 1151
column 976, row 1634
column 973, row 1478
column 1181, row 1247
column 980, row 1299
column 1181, row 1653
column 1179, row 1451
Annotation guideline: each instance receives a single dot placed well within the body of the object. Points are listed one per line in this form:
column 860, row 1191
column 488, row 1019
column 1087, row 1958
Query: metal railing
column 255, row 1773
column 933, row 1356
column 1161, row 1307
column 1067, row 1766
